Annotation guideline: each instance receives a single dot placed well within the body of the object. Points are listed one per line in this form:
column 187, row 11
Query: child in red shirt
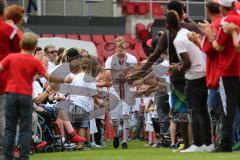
column 21, row 69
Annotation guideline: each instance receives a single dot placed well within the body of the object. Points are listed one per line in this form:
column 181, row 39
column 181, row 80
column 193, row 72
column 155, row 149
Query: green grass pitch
column 136, row 151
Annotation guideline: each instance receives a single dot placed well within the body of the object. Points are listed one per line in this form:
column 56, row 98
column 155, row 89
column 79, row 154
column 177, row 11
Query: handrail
column 85, row 2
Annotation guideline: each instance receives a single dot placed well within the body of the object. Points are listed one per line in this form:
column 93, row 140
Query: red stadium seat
column 99, row 53
column 144, row 35
column 85, row 37
column 157, row 10
column 130, row 8
column 142, row 8
column 134, row 53
column 73, row 36
column 98, row 39
column 109, row 38
column 140, row 51
column 140, row 27
column 60, row 35
column 47, row 35
column 104, row 53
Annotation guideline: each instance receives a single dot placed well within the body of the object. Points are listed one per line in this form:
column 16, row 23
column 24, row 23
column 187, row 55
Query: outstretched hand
column 230, row 27
column 208, row 30
column 134, row 76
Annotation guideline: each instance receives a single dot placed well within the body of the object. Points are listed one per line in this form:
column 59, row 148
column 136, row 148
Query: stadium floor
column 136, row 151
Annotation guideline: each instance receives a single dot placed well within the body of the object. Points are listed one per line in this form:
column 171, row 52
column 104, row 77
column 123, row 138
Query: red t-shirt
column 20, row 70
column 9, row 39
column 9, row 43
column 229, row 59
column 212, row 74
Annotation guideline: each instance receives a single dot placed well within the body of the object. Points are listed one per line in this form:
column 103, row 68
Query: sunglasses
column 53, row 51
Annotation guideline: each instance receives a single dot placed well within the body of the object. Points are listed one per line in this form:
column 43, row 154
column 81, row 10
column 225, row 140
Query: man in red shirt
column 212, row 77
column 229, row 66
column 21, row 69
column 9, row 42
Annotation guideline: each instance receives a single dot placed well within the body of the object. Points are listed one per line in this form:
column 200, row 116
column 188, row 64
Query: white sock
column 63, row 139
column 125, row 130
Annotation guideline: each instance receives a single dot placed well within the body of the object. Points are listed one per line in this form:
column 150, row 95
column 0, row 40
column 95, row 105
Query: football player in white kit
column 117, row 67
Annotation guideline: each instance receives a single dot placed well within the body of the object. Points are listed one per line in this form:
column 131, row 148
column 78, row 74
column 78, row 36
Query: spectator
column 32, row 4
column 229, row 68
column 9, row 42
column 18, row 94
column 51, row 52
column 193, row 64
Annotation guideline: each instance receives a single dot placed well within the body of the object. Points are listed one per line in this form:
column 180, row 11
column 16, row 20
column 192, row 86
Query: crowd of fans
column 184, row 96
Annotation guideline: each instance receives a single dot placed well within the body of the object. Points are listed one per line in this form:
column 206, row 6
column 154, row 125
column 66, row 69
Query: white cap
column 226, row 3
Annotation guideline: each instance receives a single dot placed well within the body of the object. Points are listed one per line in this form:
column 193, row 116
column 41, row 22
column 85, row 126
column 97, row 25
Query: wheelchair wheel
column 49, row 149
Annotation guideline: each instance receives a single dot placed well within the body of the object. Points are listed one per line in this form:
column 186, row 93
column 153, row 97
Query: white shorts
column 149, row 127
column 122, row 109
column 118, row 107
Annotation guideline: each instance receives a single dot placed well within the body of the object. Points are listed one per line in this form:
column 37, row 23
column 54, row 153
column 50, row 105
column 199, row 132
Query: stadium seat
column 60, row 35
column 157, row 10
column 142, row 8
column 130, row 8
column 100, row 53
column 73, row 36
column 104, row 53
column 97, row 39
column 144, row 35
column 47, row 35
column 140, row 27
column 140, row 51
column 85, row 37
column 142, row 32
column 109, row 37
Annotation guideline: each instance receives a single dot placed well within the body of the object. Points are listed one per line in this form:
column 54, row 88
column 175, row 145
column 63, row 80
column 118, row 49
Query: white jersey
column 118, row 67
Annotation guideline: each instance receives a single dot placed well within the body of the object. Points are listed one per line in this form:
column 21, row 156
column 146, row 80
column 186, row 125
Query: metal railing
column 85, row 4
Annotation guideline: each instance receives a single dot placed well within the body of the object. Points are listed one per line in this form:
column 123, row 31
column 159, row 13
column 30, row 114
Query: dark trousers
column 31, row 4
column 196, row 98
column 99, row 136
column 229, row 91
column 2, row 122
column 18, row 110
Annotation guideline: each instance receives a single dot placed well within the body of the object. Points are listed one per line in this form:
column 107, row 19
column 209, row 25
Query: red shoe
column 73, row 137
column 41, row 145
column 16, row 153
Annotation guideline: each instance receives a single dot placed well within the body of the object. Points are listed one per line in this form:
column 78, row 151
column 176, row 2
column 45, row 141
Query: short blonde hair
column 120, row 39
column 29, row 41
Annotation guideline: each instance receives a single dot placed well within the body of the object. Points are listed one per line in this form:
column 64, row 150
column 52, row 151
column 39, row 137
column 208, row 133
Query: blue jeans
column 18, row 108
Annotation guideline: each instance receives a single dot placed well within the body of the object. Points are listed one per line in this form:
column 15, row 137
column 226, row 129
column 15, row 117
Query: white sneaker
column 193, row 148
column 208, row 148
column 94, row 145
column 148, row 145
